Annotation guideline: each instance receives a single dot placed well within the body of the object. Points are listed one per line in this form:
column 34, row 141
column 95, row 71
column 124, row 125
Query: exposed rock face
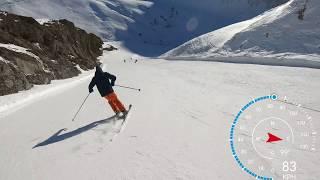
column 109, row 47
column 31, row 53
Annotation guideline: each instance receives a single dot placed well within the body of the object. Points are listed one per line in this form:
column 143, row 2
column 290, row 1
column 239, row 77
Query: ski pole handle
column 128, row 87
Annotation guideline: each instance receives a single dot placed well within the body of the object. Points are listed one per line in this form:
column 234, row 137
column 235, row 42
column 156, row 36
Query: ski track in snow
column 178, row 128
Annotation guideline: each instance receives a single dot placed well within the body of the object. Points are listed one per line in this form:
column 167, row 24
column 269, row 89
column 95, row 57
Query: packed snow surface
column 178, row 128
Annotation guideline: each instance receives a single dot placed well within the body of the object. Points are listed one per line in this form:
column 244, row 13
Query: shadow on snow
column 57, row 137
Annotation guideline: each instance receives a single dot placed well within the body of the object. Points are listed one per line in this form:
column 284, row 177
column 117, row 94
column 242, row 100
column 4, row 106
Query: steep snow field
column 178, row 128
column 100, row 17
column 276, row 33
column 165, row 23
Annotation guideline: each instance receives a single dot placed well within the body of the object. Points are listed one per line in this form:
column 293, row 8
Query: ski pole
column 128, row 87
column 80, row 107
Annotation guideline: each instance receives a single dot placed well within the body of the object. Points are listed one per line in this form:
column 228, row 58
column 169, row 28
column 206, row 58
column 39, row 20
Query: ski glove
column 90, row 90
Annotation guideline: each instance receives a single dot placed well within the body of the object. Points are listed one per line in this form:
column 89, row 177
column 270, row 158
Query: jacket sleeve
column 92, row 84
column 111, row 77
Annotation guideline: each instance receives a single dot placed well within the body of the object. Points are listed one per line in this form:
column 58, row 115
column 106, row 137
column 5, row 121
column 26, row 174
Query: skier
column 104, row 82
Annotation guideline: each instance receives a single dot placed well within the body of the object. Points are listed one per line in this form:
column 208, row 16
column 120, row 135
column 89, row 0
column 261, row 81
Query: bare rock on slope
column 33, row 53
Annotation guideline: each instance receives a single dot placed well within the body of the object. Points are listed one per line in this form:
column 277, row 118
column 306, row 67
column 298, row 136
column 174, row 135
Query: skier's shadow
column 57, row 137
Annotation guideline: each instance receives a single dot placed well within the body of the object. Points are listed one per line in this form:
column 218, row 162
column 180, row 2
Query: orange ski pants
column 114, row 102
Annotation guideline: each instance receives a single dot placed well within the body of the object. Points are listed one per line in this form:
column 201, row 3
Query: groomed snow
column 13, row 102
column 178, row 129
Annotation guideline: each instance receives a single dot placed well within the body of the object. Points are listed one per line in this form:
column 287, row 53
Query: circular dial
column 271, row 138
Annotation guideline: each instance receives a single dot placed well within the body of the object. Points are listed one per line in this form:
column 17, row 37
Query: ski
column 123, row 123
column 125, row 116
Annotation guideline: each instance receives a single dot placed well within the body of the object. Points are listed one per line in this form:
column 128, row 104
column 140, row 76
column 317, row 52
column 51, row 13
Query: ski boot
column 118, row 115
column 124, row 113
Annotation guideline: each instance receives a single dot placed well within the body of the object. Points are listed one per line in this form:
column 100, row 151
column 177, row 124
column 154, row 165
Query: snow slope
column 178, row 128
column 164, row 23
column 99, row 17
column 276, row 33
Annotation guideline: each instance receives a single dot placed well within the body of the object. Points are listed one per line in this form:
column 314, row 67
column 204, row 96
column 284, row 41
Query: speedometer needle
column 273, row 138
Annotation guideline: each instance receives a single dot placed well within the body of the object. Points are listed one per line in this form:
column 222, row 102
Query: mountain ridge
column 287, row 31
column 164, row 24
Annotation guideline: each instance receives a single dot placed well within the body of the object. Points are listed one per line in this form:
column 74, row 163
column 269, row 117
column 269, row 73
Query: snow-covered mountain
column 290, row 30
column 167, row 23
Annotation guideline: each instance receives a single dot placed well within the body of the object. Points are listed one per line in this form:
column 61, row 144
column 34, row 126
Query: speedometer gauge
column 270, row 137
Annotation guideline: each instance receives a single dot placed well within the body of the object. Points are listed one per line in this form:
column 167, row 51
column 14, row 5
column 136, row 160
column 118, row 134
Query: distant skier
column 104, row 82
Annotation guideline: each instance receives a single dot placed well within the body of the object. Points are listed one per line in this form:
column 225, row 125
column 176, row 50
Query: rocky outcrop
column 109, row 47
column 33, row 53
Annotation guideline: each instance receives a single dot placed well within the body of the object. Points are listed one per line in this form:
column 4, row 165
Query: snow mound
column 288, row 31
column 14, row 102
